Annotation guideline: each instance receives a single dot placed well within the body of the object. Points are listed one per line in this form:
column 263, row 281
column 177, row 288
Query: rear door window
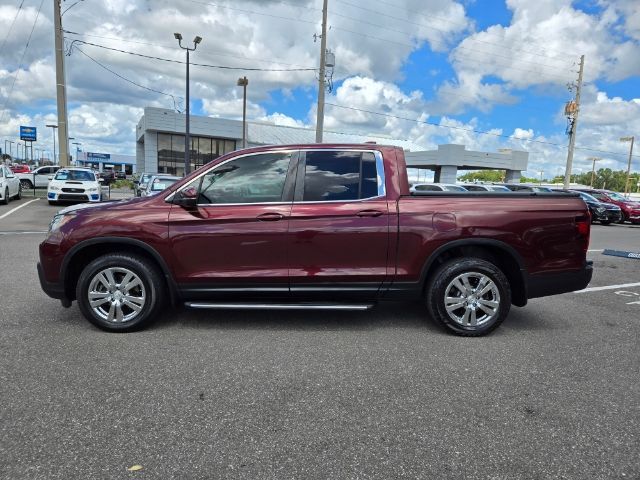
column 340, row 176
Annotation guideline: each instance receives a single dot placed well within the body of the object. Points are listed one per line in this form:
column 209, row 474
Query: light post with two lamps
column 53, row 129
column 77, row 144
column 187, row 139
column 593, row 168
column 626, row 183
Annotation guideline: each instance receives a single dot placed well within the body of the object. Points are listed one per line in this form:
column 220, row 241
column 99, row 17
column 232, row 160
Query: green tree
column 483, row 176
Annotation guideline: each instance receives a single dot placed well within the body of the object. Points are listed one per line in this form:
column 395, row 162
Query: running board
column 280, row 306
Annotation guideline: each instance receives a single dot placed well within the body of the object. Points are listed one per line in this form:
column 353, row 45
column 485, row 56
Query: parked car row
column 605, row 206
column 150, row 184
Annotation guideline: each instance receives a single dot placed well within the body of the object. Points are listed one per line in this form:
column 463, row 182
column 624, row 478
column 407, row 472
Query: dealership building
column 160, row 145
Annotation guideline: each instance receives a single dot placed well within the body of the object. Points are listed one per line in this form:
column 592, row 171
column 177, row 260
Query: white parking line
column 18, row 208
column 30, row 232
column 608, row 287
column 596, row 250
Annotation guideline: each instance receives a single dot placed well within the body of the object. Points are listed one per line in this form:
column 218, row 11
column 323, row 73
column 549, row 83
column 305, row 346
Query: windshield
column 162, row 183
column 77, row 175
column 617, row 197
column 588, row 198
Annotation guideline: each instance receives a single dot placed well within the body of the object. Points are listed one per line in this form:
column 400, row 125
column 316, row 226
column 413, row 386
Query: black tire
column 605, row 222
column 442, row 281
column 5, row 200
column 19, row 195
column 153, row 290
column 53, row 202
column 26, row 184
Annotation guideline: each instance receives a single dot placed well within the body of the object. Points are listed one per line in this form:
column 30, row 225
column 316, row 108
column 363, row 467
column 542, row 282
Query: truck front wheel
column 470, row 297
column 120, row 292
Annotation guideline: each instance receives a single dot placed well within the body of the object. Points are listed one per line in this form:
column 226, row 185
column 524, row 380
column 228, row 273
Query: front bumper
column 545, row 284
column 53, row 289
column 73, row 197
column 614, row 215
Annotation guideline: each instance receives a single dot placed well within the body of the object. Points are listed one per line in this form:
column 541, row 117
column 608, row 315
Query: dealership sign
column 98, row 157
column 28, row 134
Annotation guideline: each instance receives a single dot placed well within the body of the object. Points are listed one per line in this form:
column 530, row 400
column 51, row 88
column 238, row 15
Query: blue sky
column 478, row 65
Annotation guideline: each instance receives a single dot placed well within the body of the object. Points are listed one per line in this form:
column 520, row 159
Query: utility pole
column 321, row 84
column 626, row 183
column 574, row 124
column 61, row 88
column 593, row 168
column 243, row 82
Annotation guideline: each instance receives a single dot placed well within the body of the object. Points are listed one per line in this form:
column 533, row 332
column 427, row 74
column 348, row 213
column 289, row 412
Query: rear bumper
column 545, row 284
column 53, row 289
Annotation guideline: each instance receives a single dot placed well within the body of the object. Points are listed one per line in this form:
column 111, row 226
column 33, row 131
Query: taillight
column 583, row 224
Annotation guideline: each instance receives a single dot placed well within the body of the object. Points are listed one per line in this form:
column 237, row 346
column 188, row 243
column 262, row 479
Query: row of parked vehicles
column 605, row 206
column 149, row 184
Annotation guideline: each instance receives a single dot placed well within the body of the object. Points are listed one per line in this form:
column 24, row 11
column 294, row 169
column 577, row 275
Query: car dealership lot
column 553, row 393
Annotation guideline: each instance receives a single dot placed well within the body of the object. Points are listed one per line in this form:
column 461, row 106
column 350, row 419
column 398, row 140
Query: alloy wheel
column 472, row 299
column 116, row 294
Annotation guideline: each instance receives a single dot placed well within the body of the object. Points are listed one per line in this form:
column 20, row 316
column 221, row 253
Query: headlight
column 57, row 221
column 92, row 189
column 601, row 209
column 53, row 188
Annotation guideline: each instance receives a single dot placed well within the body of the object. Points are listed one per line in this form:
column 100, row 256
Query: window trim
column 302, row 162
column 291, row 175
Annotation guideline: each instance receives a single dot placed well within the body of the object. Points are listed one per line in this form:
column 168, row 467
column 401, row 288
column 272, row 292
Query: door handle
column 369, row 213
column 270, row 217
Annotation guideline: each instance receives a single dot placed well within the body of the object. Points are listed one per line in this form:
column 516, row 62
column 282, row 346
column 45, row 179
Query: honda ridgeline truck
column 315, row 227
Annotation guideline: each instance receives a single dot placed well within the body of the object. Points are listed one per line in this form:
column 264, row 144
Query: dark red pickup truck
column 315, row 227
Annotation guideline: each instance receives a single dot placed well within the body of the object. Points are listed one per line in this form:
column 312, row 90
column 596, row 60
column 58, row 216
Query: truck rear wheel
column 26, row 184
column 120, row 292
column 470, row 297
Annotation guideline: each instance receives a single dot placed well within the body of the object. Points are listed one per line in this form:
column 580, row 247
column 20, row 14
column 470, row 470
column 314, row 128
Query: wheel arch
column 499, row 253
column 85, row 252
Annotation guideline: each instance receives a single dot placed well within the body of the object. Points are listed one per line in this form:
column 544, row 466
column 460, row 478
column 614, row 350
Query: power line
column 422, row 25
column 26, row 47
column 481, row 132
column 11, row 26
column 242, row 10
column 511, row 67
column 172, row 47
column 201, row 2
column 223, row 67
column 128, row 80
column 413, row 12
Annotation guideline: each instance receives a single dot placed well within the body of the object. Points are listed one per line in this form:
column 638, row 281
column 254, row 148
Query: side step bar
column 280, row 306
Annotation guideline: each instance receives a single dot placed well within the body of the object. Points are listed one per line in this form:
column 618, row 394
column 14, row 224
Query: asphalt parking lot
column 553, row 393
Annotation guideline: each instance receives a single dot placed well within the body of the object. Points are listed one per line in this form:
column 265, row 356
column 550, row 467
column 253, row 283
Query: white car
column 74, row 185
column 158, row 183
column 9, row 185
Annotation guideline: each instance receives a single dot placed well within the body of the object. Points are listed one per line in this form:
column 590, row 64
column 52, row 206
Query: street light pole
column 11, row 142
column 626, row 184
column 243, row 82
column 593, row 168
column 77, row 144
column 187, row 138
column 53, row 129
